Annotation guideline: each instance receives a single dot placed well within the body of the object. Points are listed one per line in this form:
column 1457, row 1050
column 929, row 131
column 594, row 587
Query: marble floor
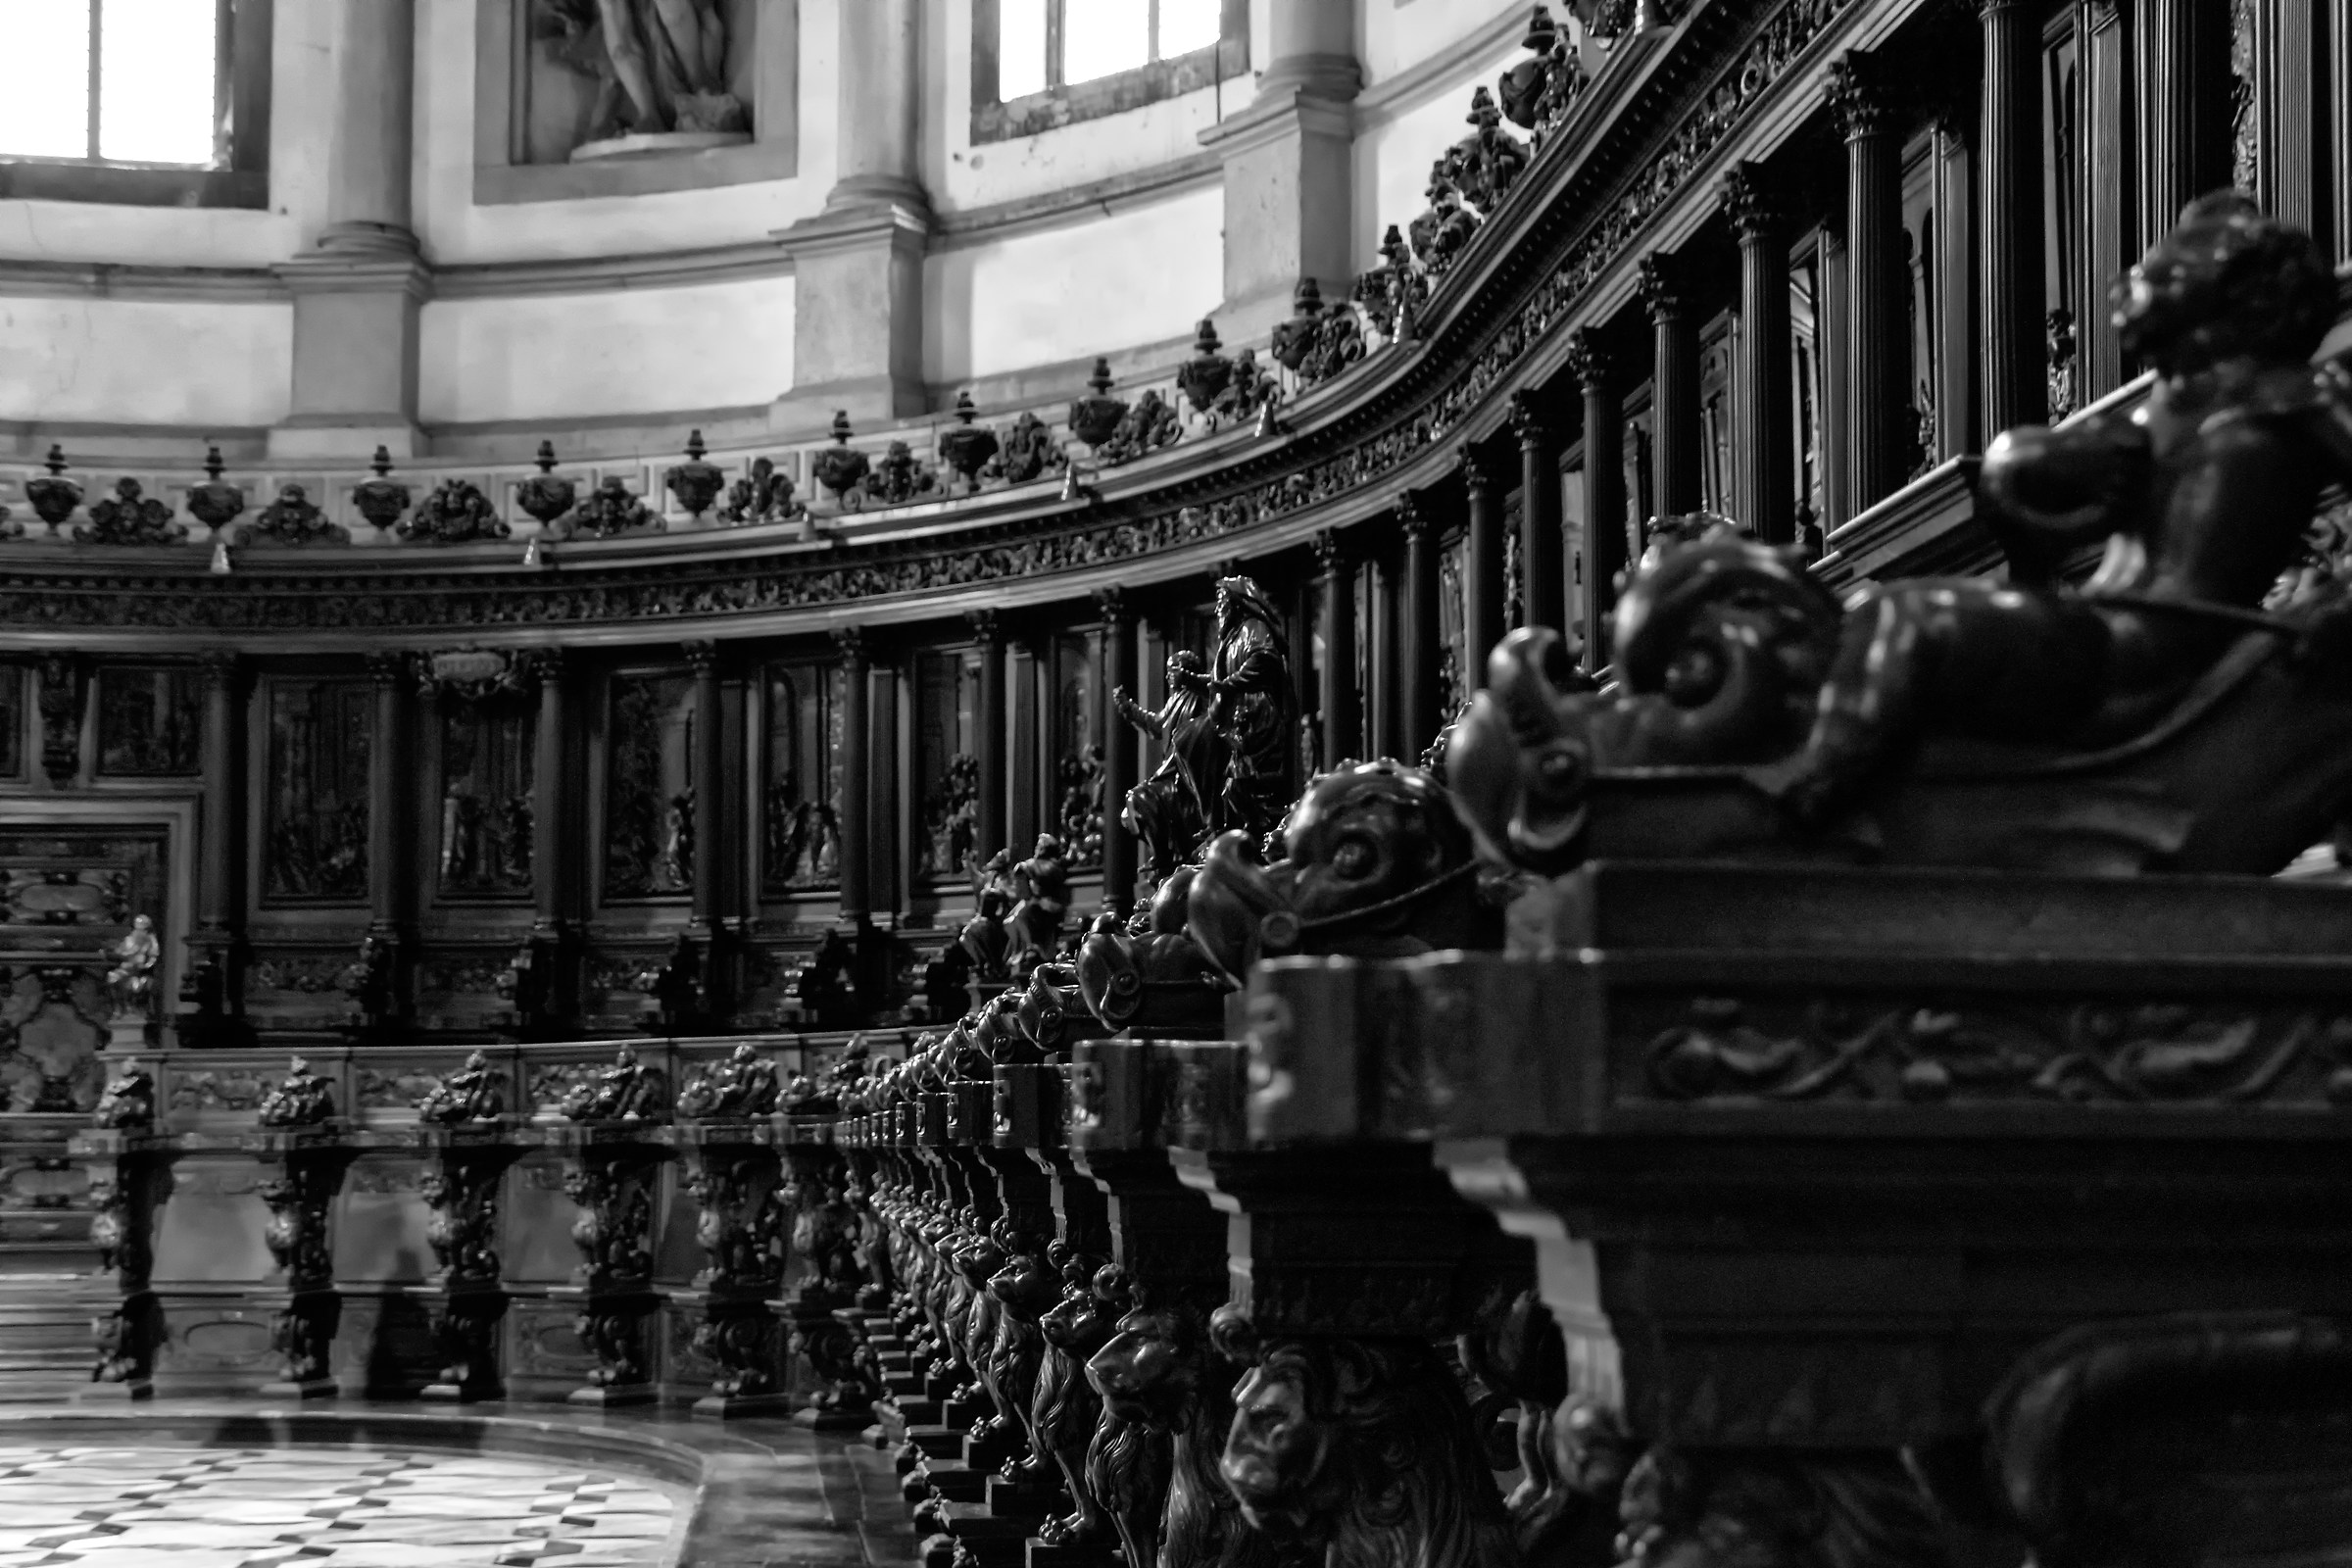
column 63, row 1506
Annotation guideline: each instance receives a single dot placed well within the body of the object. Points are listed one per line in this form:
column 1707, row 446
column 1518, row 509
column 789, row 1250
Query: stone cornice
column 1648, row 141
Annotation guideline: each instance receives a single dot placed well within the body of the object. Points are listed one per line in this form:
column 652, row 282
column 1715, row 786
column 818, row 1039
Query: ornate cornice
column 1575, row 217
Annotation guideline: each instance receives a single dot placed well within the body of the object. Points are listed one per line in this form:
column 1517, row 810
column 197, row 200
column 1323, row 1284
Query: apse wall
column 615, row 317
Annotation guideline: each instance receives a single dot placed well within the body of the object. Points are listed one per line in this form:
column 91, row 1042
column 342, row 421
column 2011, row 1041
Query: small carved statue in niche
column 626, row 1091
column 678, row 841
column 470, row 1093
column 304, row 1098
column 743, row 1085
column 658, row 65
column 127, row 1103
column 130, row 983
column 1171, row 810
column 1250, row 684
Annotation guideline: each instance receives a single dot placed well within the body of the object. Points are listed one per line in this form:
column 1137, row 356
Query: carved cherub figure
column 470, row 1093
column 2202, row 495
column 626, row 1091
column 127, row 1103
column 303, row 1099
column 130, row 983
column 743, row 1085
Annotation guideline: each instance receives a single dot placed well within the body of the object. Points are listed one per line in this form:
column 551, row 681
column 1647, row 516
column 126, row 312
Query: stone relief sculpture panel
column 320, row 733
column 620, row 78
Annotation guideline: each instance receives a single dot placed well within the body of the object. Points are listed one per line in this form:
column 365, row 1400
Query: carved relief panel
column 800, row 813
column 649, row 786
column 946, row 772
column 483, row 818
column 150, row 721
column 65, row 899
column 12, row 723
column 596, row 71
column 316, row 832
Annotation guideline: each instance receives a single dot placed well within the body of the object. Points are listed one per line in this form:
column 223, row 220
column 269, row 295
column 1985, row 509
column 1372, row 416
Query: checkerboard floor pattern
column 66, row 1508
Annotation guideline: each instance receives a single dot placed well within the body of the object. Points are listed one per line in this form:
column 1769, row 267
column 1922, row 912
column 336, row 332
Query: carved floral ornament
column 1741, row 74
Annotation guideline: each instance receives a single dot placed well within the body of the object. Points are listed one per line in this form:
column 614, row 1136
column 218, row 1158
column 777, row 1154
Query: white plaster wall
column 456, row 232
column 193, row 364
column 301, row 39
column 584, row 355
column 1393, row 149
column 1140, row 276
column 961, row 175
column 1393, row 36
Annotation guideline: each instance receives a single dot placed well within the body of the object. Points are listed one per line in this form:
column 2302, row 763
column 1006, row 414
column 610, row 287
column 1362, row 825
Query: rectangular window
column 1040, row 63
column 138, row 82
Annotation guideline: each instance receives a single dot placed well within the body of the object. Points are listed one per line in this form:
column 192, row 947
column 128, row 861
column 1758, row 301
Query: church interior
column 1176, row 783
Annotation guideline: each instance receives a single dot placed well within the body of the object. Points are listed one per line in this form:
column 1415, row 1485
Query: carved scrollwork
column 899, row 477
column 130, row 516
column 293, row 519
column 615, row 1230
column 1029, row 452
column 304, row 1098
column 1392, row 294
column 1537, row 94
column 456, row 513
column 1442, row 228
column 1487, row 163
column 610, row 511
column 1316, row 344
column 463, row 1194
column 1148, row 426
column 764, row 495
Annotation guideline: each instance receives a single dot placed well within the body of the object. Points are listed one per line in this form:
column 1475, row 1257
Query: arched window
column 154, row 98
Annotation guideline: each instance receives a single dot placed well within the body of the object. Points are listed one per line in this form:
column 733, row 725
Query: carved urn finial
column 1095, row 418
column 54, row 497
column 1205, row 375
column 965, row 447
column 543, row 496
column 840, row 467
column 694, row 483
column 216, row 502
column 380, row 500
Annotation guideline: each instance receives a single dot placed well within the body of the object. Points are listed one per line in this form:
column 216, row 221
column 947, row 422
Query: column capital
column 1111, row 605
column 1861, row 95
column 1331, row 552
column 1410, row 518
column 1479, row 471
column 850, row 643
column 1590, row 362
column 1664, row 283
column 1753, row 203
column 1529, row 422
column 388, row 670
column 985, row 626
column 702, row 653
column 220, row 667
column 543, row 666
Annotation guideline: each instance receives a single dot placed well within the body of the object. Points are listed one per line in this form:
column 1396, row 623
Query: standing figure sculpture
column 130, row 983
column 658, row 65
column 1169, row 812
column 1250, row 683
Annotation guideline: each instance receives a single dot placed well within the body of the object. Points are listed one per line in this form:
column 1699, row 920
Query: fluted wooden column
column 1483, row 588
column 1340, row 700
column 553, row 795
column 2009, row 258
column 1385, row 719
column 1763, row 469
column 219, row 906
column 2183, row 103
column 1421, row 639
column 1958, row 266
column 856, row 810
column 391, row 774
column 1542, row 573
column 988, row 741
column 709, row 774
column 885, row 860
column 1877, row 404
column 1604, row 488
column 1118, row 746
column 1674, row 395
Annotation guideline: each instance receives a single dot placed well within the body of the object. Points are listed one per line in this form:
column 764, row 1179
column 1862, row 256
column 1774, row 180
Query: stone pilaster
column 858, row 266
column 1289, row 211
column 357, row 292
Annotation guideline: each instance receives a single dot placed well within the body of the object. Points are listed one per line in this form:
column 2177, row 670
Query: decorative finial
column 694, row 445
column 56, row 460
column 841, row 425
column 965, row 411
column 381, row 463
column 546, row 458
column 211, row 461
column 1099, row 381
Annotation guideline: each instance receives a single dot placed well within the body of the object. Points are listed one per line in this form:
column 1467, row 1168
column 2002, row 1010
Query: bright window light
column 1104, row 37
column 45, row 111
column 155, row 81
column 1188, row 24
column 1020, row 48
